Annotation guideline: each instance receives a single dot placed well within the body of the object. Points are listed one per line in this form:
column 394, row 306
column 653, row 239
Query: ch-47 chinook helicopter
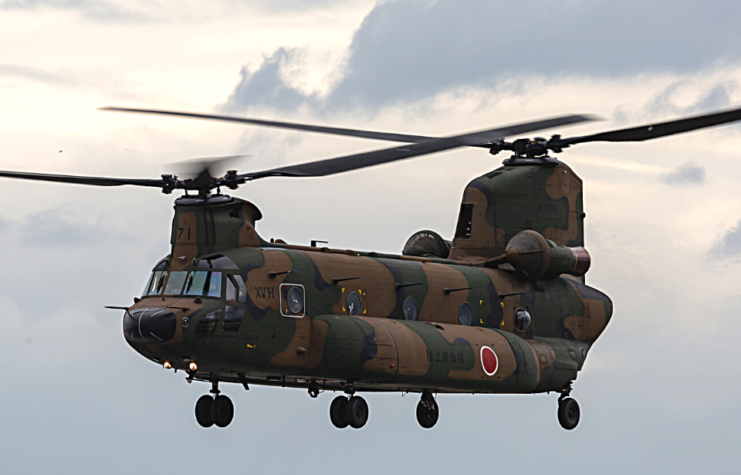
column 503, row 308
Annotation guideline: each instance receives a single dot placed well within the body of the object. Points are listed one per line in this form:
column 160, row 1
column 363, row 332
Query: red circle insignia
column 489, row 361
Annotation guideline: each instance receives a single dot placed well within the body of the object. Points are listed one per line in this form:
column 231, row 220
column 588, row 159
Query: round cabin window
column 409, row 309
column 522, row 320
column 465, row 314
column 353, row 304
column 295, row 300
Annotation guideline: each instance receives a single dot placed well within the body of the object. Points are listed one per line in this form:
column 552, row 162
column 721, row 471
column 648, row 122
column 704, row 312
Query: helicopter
column 502, row 307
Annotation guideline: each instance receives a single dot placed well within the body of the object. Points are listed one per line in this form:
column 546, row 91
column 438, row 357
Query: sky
column 660, row 390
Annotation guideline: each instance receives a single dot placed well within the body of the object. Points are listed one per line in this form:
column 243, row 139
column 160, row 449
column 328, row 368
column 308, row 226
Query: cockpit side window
column 231, row 291
column 155, row 284
column 242, row 296
column 214, row 285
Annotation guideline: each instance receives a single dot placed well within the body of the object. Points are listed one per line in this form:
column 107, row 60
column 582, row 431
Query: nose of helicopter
column 149, row 325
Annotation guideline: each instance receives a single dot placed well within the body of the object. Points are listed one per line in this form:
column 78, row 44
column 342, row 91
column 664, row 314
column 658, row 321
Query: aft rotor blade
column 377, row 157
column 83, row 180
column 366, row 134
column 654, row 131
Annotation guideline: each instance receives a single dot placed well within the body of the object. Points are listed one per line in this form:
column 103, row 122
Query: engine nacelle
column 427, row 244
column 535, row 257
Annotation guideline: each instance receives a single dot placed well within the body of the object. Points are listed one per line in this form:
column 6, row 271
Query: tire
column 356, row 412
column 222, row 411
column 568, row 413
column 337, row 412
column 427, row 415
column 203, row 411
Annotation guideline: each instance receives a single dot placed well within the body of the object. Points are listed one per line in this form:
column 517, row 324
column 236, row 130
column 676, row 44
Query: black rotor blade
column 83, row 180
column 377, row 157
column 654, row 131
column 367, row 134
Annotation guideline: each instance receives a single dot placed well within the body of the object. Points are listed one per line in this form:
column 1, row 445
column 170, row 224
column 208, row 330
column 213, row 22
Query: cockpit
column 200, row 281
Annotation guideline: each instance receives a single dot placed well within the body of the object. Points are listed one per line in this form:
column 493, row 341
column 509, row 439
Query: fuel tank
column 449, row 358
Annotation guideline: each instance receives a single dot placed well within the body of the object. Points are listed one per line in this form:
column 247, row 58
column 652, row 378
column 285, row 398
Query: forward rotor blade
column 654, row 131
column 367, row 134
column 377, row 157
column 83, row 180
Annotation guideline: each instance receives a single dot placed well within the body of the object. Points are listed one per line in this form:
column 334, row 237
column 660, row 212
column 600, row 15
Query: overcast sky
column 660, row 389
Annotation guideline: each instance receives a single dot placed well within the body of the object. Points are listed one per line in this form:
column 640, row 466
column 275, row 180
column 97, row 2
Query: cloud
column 93, row 10
column 118, row 11
column 728, row 246
column 665, row 102
column 53, row 229
column 267, row 85
column 686, row 174
column 408, row 50
column 36, row 74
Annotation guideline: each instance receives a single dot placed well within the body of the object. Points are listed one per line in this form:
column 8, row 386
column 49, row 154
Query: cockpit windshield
column 203, row 283
column 175, row 283
column 192, row 284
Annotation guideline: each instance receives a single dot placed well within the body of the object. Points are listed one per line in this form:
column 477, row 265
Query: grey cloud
column 686, row 174
column 717, row 97
column 54, row 229
column 408, row 50
column 265, row 86
column 729, row 245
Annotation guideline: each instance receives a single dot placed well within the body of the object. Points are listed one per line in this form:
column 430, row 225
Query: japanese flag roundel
column 489, row 361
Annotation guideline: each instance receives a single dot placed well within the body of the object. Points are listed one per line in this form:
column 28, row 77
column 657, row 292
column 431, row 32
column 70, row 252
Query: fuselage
column 276, row 315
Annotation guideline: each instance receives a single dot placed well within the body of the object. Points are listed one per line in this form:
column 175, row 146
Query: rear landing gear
column 568, row 413
column 217, row 410
column 351, row 412
column 428, row 412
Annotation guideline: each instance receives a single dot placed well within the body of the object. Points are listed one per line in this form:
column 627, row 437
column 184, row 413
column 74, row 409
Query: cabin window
column 522, row 320
column 409, row 309
column 241, row 288
column 232, row 318
column 465, row 315
column 175, row 283
column 463, row 229
column 292, row 301
column 353, row 304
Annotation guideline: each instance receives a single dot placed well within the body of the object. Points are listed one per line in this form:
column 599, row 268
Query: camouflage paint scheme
column 378, row 350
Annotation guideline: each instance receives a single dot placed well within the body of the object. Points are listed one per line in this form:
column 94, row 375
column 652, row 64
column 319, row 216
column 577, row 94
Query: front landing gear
column 428, row 412
column 351, row 412
column 217, row 410
column 568, row 413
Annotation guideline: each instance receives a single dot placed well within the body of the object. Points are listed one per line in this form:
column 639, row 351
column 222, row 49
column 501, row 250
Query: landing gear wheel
column 568, row 413
column 203, row 411
column 428, row 412
column 356, row 412
column 222, row 411
column 337, row 412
